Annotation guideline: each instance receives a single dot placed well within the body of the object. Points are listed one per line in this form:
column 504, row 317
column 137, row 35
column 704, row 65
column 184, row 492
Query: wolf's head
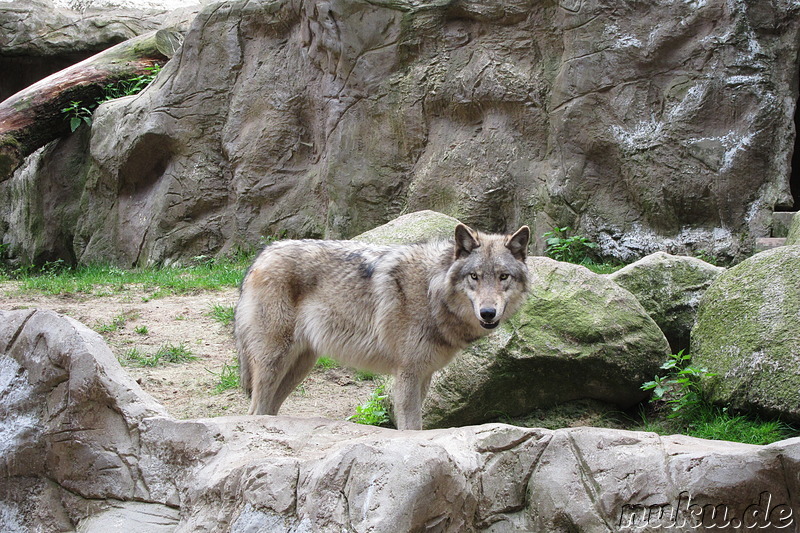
column 490, row 272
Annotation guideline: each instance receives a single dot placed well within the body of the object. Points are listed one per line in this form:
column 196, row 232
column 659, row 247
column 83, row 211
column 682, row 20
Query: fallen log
column 33, row 117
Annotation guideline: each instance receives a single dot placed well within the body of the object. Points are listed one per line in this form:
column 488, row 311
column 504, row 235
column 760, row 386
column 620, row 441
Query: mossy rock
column 578, row 336
column 669, row 287
column 793, row 237
column 747, row 333
column 412, row 228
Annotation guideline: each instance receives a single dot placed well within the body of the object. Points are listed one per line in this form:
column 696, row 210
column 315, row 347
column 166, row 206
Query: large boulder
column 669, row 288
column 747, row 334
column 85, row 449
column 643, row 126
column 412, row 228
column 578, row 336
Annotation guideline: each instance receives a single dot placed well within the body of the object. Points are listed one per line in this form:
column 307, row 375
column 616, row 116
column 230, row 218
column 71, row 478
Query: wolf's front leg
column 410, row 389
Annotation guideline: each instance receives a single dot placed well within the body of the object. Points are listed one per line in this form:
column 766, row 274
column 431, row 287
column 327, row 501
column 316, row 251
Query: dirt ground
column 187, row 389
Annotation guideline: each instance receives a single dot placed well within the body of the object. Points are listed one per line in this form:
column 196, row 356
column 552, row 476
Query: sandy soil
column 187, row 389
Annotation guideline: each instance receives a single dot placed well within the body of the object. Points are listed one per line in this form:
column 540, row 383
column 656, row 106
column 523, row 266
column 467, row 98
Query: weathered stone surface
column 747, row 333
column 412, row 228
column 643, row 126
column 669, row 288
column 579, row 335
column 794, row 231
column 83, row 448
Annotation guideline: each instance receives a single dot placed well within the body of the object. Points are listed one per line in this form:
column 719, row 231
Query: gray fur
column 404, row 310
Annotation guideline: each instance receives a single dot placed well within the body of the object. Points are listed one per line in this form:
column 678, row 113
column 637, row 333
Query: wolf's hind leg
column 302, row 361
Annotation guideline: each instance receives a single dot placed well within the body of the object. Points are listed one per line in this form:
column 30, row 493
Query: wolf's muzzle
column 488, row 315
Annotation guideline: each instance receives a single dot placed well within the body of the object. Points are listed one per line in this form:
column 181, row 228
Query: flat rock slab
column 96, row 452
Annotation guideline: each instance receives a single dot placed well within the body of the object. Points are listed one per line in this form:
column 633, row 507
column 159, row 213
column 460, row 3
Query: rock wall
column 84, row 448
column 643, row 125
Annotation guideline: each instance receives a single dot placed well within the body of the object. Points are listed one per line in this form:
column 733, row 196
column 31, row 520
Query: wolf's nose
column 488, row 313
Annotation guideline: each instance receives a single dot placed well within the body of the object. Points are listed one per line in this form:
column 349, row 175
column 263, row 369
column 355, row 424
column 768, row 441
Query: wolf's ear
column 466, row 241
column 518, row 243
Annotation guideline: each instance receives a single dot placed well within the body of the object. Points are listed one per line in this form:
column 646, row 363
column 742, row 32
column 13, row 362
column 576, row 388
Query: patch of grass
column 228, row 378
column 167, row 353
column 99, row 279
column 141, row 330
column 223, row 314
column 116, row 323
column 375, row 411
column 327, row 362
column 366, row 375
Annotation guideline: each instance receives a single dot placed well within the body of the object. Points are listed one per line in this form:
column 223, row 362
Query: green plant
column 680, row 388
column 574, row 249
column 141, row 330
column 375, row 411
column 77, row 113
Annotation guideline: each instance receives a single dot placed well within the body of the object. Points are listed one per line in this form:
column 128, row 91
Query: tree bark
column 33, row 117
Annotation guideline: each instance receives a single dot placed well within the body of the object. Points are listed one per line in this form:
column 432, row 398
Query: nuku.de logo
column 686, row 513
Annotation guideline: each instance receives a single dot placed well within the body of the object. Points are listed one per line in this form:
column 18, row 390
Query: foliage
column 575, row 249
column 78, row 112
column 690, row 413
column 680, row 387
column 375, row 411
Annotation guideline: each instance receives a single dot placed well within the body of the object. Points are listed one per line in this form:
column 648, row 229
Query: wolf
column 404, row 310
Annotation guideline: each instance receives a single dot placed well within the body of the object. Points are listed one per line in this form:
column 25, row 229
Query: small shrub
column 375, row 411
column 680, row 387
column 575, row 249
column 77, row 113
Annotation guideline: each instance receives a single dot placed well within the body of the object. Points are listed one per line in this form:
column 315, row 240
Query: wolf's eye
column 474, row 276
column 503, row 277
